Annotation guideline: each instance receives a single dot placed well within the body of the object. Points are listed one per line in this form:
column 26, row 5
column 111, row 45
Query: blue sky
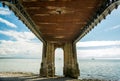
column 104, row 40
column 16, row 40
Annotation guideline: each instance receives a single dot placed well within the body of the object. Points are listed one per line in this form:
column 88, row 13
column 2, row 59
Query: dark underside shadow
column 34, row 78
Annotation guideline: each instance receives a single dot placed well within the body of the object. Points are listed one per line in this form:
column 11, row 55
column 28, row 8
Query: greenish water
column 20, row 65
column 101, row 69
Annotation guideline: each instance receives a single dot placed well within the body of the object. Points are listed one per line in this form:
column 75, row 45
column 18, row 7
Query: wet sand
column 20, row 76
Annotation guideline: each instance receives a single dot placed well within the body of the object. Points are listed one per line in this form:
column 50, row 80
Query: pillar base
column 43, row 71
column 71, row 72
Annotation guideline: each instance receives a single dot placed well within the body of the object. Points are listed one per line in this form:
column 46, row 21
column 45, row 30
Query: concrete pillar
column 70, row 60
column 47, row 65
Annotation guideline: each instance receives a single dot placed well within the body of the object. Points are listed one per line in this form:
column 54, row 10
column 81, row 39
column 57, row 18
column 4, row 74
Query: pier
column 60, row 24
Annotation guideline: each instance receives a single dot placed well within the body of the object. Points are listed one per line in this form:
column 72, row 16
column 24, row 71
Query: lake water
column 101, row 69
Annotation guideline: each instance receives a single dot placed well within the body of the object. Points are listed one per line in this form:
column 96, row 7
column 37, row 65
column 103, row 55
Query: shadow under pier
column 35, row 78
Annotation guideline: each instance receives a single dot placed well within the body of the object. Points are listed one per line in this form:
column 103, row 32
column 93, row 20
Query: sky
column 16, row 40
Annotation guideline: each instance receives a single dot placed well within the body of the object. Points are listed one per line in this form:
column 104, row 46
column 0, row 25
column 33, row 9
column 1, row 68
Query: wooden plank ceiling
column 60, row 20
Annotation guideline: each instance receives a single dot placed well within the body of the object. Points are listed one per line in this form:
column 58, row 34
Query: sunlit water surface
column 101, row 69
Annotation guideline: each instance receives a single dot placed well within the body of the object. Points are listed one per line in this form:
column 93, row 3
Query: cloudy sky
column 16, row 40
column 104, row 40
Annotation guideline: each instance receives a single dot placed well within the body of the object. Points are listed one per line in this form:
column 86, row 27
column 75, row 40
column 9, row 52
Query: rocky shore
column 20, row 76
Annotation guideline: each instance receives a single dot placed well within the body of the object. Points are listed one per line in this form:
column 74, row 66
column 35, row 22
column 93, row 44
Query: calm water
column 102, row 69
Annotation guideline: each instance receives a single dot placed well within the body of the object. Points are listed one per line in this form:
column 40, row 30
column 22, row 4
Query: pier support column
column 70, row 60
column 47, row 65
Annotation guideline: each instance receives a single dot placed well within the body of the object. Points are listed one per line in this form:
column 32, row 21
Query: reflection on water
column 101, row 69
column 20, row 65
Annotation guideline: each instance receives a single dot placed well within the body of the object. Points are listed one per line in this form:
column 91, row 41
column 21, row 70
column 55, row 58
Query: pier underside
column 70, row 60
column 60, row 23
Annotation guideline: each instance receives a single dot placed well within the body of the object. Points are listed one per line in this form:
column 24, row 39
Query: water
column 20, row 65
column 101, row 69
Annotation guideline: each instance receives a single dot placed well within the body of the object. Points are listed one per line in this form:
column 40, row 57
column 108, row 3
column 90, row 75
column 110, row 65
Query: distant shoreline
column 78, row 59
column 17, row 58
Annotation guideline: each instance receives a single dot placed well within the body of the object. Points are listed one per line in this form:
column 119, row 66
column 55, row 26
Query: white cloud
column 113, row 28
column 23, row 46
column 19, row 48
column 111, row 51
column 59, row 54
column 4, row 11
column 97, row 43
column 8, row 23
column 20, row 36
column 102, row 53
